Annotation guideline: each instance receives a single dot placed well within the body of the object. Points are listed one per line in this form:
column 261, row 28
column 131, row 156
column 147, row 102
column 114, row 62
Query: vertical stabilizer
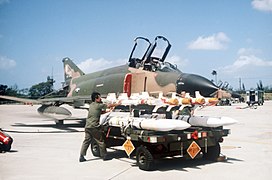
column 71, row 70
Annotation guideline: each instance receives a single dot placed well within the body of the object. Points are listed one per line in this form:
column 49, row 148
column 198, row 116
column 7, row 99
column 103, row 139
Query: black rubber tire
column 95, row 149
column 6, row 147
column 144, row 159
column 213, row 153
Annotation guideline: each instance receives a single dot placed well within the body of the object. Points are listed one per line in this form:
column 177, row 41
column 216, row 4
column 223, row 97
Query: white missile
column 180, row 125
column 224, row 121
column 119, row 119
column 155, row 124
column 206, row 121
column 160, row 124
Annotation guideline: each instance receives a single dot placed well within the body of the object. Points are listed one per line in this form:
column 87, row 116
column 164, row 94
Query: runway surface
column 41, row 150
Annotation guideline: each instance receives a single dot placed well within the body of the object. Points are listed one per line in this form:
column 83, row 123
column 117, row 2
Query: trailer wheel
column 95, row 149
column 144, row 158
column 213, row 152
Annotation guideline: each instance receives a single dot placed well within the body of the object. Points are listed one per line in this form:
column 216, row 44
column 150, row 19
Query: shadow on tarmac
column 180, row 163
column 59, row 128
column 166, row 164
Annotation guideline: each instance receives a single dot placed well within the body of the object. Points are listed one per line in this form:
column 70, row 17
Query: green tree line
column 34, row 92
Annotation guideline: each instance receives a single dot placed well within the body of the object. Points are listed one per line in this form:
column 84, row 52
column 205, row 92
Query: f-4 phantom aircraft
column 146, row 71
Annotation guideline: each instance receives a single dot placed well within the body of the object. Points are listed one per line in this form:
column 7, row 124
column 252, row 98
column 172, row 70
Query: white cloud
column 262, row 5
column 248, row 66
column 93, row 65
column 181, row 63
column 248, row 51
column 245, row 62
column 6, row 63
column 214, row 42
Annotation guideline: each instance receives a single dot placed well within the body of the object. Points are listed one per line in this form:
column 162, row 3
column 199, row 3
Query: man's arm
column 111, row 106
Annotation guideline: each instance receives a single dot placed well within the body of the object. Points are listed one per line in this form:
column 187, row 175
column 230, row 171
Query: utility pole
column 240, row 87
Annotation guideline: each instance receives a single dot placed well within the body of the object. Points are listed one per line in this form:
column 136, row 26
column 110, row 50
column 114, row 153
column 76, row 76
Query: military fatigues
column 93, row 130
column 187, row 110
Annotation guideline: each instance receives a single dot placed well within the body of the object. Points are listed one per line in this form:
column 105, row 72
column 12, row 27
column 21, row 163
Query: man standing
column 93, row 128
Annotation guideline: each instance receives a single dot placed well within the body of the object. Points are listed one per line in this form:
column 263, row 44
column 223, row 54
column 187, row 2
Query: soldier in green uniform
column 93, row 128
column 187, row 110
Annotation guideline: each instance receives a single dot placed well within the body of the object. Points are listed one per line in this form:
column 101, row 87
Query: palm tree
column 214, row 73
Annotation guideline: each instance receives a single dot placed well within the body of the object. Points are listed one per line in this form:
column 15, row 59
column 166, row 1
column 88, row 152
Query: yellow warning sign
column 128, row 146
column 193, row 149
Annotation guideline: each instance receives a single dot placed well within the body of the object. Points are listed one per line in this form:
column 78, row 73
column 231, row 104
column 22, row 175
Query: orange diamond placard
column 128, row 146
column 193, row 149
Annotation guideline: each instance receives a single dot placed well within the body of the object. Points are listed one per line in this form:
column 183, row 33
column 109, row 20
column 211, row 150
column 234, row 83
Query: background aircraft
column 145, row 71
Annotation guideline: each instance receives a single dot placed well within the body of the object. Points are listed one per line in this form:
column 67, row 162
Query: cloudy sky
column 232, row 37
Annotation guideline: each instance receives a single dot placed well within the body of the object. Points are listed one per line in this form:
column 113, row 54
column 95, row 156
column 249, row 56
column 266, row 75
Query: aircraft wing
column 23, row 100
column 76, row 100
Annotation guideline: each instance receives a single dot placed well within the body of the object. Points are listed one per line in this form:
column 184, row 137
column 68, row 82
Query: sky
column 232, row 37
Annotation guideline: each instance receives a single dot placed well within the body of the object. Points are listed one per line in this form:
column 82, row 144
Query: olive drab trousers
column 98, row 136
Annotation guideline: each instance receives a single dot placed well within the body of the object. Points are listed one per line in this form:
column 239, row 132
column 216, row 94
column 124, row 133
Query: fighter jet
column 146, row 71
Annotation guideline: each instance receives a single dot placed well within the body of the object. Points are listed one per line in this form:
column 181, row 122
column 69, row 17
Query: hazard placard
column 128, row 146
column 193, row 149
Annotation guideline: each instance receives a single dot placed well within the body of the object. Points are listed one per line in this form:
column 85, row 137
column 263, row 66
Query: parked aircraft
column 145, row 72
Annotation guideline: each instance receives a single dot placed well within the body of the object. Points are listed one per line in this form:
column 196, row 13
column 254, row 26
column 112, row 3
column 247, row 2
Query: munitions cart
column 195, row 142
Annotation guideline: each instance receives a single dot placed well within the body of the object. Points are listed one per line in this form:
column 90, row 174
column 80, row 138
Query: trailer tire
column 144, row 159
column 213, row 152
column 95, row 149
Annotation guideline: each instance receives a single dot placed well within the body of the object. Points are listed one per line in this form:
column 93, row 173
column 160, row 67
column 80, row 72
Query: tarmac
column 41, row 150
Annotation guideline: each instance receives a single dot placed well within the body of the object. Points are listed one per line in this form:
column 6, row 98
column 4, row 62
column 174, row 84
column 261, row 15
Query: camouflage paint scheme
column 112, row 80
column 147, row 72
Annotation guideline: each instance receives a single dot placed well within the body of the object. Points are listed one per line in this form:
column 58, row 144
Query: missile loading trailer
column 149, row 145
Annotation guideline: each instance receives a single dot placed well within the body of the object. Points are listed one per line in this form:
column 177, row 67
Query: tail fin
column 71, row 70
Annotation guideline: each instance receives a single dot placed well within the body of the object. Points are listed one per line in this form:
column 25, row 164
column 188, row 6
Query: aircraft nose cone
column 192, row 82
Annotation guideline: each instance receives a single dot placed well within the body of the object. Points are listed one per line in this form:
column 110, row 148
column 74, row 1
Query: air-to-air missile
column 154, row 116
column 160, row 100
column 124, row 119
column 181, row 122
column 207, row 121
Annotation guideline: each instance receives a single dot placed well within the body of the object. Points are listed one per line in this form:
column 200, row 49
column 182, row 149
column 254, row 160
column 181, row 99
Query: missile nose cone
column 228, row 121
column 192, row 82
column 180, row 125
column 223, row 121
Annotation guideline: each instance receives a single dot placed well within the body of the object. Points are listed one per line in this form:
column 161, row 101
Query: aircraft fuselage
column 124, row 79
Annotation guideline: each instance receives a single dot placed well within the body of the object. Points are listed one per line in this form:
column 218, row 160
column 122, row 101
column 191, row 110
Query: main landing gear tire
column 213, row 153
column 144, row 159
column 95, row 149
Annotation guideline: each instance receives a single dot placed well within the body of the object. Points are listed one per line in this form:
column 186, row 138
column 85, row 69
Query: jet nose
column 192, row 82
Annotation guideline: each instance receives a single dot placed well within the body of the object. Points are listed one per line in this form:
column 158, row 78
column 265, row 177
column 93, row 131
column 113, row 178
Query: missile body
column 206, row 121
column 150, row 122
column 120, row 119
